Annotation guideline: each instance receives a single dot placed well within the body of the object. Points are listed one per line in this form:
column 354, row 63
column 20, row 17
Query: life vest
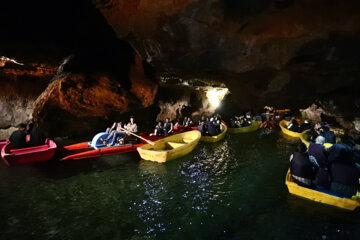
column 301, row 166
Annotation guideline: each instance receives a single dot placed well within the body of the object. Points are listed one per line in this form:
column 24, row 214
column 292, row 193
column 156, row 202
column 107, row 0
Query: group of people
column 119, row 133
column 241, row 121
column 210, row 126
column 163, row 128
column 19, row 140
column 332, row 169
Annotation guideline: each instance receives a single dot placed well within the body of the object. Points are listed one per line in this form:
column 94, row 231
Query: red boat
column 14, row 157
column 85, row 150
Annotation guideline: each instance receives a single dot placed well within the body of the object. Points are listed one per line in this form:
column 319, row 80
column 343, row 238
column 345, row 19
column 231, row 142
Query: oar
column 148, row 141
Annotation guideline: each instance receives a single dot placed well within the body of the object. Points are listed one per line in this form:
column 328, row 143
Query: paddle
column 148, row 141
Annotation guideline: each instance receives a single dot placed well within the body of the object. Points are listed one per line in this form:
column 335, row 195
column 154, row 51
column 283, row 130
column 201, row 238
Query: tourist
column 328, row 135
column 202, row 128
column 302, row 168
column 305, row 126
column 116, row 135
column 211, row 128
column 131, row 126
column 189, row 122
column 184, row 121
column 37, row 137
column 18, row 137
column 315, row 132
column 345, row 177
column 168, row 125
column 201, row 120
column 293, row 126
column 318, row 151
column 159, row 129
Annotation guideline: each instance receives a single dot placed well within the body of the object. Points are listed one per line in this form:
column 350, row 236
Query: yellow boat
column 283, row 125
column 217, row 137
column 253, row 127
column 169, row 148
column 304, row 138
column 322, row 197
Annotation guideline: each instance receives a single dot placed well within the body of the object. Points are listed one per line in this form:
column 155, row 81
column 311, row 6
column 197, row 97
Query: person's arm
column 135, row 128
column 112, row 128
column 289, row 126
column 291, row 157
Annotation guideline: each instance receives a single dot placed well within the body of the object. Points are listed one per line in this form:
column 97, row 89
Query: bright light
column 215, row 96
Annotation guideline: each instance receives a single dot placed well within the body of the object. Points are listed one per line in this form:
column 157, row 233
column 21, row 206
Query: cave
column 73, row 68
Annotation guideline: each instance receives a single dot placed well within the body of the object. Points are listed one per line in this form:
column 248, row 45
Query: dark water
column 229, row 190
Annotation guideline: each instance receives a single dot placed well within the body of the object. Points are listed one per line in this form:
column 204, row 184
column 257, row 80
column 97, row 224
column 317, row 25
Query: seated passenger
column 168, row 125
column 37, row 138
column 302, row 169
column 345, row 178
column 131, row 127
column 159, row 129
column 305, row 126
column 189, row 122
column 233, row 123
column 201, row 120
column 114, row 135
column 211, row 128
column 18, row 137
column 217, row 124
column 318, row 151
column 184, row 122
column 314, row 132
column 202, row 128
column 328, row 135
column 293, row 126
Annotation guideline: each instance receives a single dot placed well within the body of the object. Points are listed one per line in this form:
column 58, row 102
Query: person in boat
column 232, row 123
column 315, row 132
column 131, row 127
column 159, row 129
column 201, row 120
column 302, row 166
column 328, row 135
column 202, row 128
column 211, row 128
column 189, row 122
column 117, row 134
column 177, row 125
column 168, row 125
column 37, row 137
column 318, row 151
column 18, row 137
column 184, row 122
column 344, row 174
column 217, row 124
column 293, row 126
column 305, row 126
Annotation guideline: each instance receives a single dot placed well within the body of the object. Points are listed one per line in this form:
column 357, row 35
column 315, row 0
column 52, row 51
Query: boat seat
column 173, row 145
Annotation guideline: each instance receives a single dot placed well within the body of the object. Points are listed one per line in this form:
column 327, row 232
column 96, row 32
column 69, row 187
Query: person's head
column 320, row 140
column 132, row 119
column 167, row 120
column 202, row 118
column 317, row 126
column 185, row 118
column 301, row 148
column 207, row 118
column 202, row 123
column 160, row 123
column 22, row 126
column 120, row 123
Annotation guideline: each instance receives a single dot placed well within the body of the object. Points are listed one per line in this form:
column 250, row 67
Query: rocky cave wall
column 89, row 62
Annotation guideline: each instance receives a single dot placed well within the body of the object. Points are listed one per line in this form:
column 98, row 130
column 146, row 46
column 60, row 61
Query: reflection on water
column 229, row 190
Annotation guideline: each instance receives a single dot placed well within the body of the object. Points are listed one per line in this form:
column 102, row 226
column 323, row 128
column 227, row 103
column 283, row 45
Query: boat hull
column 171, row 147
column 15, row 157
column 283, row 125
column 253, row 127
column 322, row 197
column 85, row 149
column 216, row 138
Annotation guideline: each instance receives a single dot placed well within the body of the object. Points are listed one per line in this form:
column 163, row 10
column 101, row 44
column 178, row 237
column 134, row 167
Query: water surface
column 229, row 190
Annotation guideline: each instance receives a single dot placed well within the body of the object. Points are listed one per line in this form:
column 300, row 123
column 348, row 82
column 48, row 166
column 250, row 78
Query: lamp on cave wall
column 216, row 95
